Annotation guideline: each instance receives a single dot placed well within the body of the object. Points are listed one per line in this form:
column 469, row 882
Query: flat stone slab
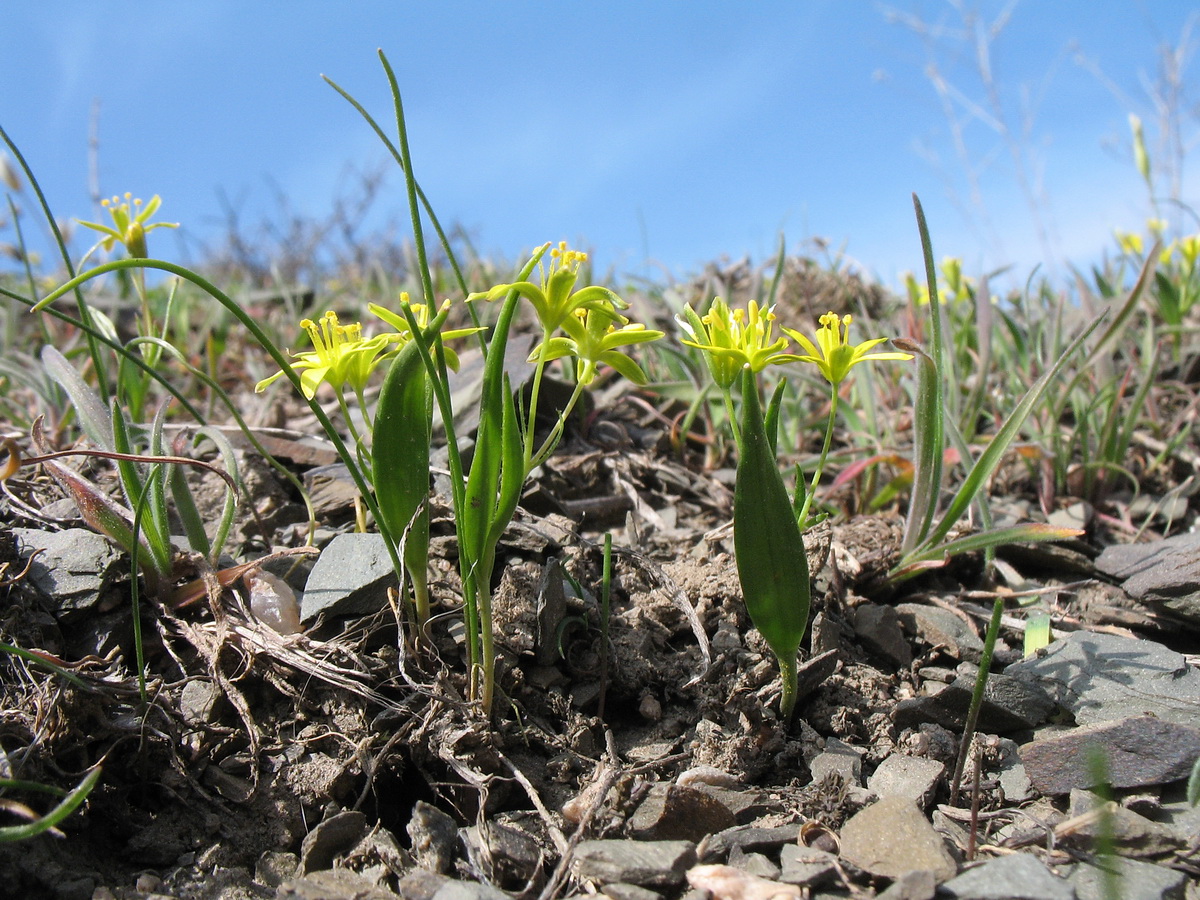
column 1137, row 880
column 914, row 777
column 1164, row 575
column 1020, row 876
column 350, row 577
column 1009, row 704
column 1138, row 752
column 892, row 837
column 941, row 628
column 76, row 568
column 644, row 863
column 1102, row 677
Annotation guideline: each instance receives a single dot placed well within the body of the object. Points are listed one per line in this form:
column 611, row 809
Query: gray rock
column 755, row 863
column 1134, row 834
column 1138, row 752
column 620, row 891
column 434, row 835
column 892, row 837
column 350, row 577
column 941, row 628
column 1101, row 677
column 1136, row 880
column 674, row 813
column 335, row 834
column 1019, row 876
column 419, row 884
column 1009, row 704
column 644, row 863
column 466, row 890
column 812, row 673
column 508, row 856
column 1165, row 574
column 839, row 759
column 1014, row 780
column 332, row 884
column 746, row 805
column 75, row 571
column 275, row 867
column 878, row 628
column 914, row 777
column 200, row 701
column 331, row 490
column 806, row 866
column 911, row 886
column 749, row 838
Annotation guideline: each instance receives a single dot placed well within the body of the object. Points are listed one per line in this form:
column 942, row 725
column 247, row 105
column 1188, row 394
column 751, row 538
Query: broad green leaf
column 771, row 561
column 400, row 464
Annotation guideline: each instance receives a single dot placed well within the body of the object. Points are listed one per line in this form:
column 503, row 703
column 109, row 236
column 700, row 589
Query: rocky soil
column 337, row 762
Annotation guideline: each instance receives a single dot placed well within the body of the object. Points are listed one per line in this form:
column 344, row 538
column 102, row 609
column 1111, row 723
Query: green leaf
column 89, row 408
column 1037, row 633
column 400, row 462
column 771, row 561
column 69, row 804
column 930, row 408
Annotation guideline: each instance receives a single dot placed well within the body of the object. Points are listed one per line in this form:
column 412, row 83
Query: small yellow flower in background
column 1168, row 253
column 131, row 223
column 1189, row 248
column 1130, row 243
column 593, row 338
column 833, row 354
column 554, row 299
column 1156, row 227
column 340, row 356
column 733, row 339
column 421, row 313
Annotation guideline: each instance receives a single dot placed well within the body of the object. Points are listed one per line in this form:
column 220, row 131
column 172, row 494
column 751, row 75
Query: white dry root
column 728, row 883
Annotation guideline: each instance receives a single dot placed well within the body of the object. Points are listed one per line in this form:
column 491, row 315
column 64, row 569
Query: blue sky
column 654, row 133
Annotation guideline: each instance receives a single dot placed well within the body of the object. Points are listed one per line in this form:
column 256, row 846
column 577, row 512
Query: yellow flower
column 1189, row 247
column 593, row 338
column 131, row 223
column 1129, row 242
column 553, row 299
column 733, row 339
column 833, row 353
column 421, row 313
column 340, row 356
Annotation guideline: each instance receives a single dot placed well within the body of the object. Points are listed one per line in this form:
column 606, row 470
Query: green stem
column 733, row 419
column 985, row 665
column 802, row 518
column 556, row 432
column 789, row 671
column 535, row 391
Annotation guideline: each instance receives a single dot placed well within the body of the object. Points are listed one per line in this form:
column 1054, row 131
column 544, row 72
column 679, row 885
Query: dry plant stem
column 610, row 771
column 973, row 841
column 985, row 664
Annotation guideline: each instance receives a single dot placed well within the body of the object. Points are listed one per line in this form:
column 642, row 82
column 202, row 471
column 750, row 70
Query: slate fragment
column 644, row 863
column 893, row 837
column 1100, row 677
column 1020, row 876
column 1009, row 704
column 1139, row 751
column 1164, row 574
column 674, row 813
column 350, row 577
